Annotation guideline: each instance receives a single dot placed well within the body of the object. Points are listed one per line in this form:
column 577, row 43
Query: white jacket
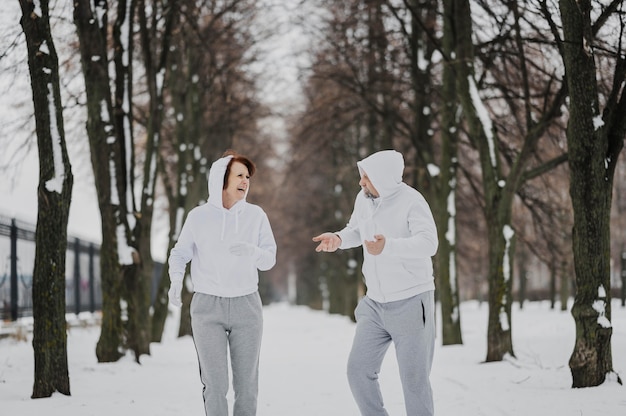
column 206, row 236
column 402, row 215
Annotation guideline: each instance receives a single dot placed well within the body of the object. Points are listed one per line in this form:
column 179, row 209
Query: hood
column 384, row 170
column 216, row 181
column 216, row 186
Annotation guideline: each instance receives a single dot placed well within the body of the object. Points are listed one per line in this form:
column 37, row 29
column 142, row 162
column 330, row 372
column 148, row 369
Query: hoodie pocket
column 417, row 271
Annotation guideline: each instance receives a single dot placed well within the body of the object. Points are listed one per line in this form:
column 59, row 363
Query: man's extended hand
column 375, row 247
column 327, row 242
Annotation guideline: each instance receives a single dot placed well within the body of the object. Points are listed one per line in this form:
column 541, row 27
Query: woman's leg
column 209, row 315
column 246, row 330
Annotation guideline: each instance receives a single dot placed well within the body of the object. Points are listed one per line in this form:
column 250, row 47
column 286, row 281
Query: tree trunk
column 498, row 200
column 594, row 142
column 500, row 184
column 501, row 249
column 108, row 165
column 155, row 41
column 553, row 278
column 623, row 267
column 308, row 291
column 564, row 279
column 160, row 308
column 133, row 289
column 53, row 197
column 523, row 277
column 445, row 214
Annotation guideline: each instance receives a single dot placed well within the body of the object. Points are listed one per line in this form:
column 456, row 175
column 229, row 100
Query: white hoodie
column 402, row 215
column 208, row 233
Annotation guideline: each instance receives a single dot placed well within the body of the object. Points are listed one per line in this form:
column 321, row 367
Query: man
column 394, row 224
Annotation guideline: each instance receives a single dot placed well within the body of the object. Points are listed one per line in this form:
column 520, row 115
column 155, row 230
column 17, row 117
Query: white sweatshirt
column 402, row 215
column 206, row 236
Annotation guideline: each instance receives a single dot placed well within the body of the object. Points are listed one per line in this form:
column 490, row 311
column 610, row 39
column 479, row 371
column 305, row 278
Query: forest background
column 509, row 114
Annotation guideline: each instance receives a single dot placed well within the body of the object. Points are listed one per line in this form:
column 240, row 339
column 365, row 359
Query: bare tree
column 435, row 157
column 318, row 194
column 213, row 107
column 532, row 109
column 595, row 138
column 157, row 21
column 109, row 145
column 126, row 259
column 53, row 196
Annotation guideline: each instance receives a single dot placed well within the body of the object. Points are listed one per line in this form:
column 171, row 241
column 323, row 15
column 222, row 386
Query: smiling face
column 237, row 185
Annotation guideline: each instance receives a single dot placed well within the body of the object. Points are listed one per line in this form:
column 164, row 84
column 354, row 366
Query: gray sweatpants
column 410, row 324
column 218, row 325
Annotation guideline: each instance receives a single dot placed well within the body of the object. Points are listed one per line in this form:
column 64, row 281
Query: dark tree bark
column 623, row 275
column 523, row 278
column 595, row 139
column 447, row 276
column 53, row 196
column 133, row 290
column 501, row 183
column 565, row 281
column 107, row 158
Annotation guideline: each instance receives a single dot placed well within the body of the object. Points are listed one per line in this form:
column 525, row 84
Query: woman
column 227, row 241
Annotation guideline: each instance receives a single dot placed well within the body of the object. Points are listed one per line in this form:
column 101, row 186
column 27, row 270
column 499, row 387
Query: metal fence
column 17, row 260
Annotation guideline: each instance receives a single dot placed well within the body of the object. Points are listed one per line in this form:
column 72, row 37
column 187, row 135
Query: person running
column 394, row 224
column 227, row 241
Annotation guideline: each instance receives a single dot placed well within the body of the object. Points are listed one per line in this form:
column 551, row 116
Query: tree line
column 510, row 115
column 507, row 113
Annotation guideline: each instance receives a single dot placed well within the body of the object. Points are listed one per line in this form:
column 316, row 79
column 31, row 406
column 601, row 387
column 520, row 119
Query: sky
column 302, row 371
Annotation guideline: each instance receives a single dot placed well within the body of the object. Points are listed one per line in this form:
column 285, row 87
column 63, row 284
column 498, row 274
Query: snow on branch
column 483, row 116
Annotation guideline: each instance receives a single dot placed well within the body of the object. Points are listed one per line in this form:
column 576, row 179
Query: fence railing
column 17, row 260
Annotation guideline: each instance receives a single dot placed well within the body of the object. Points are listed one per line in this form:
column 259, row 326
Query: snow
column 124, row 251
column 433, row 170
column 599, row 306
column 302, row 371
column 598, row 122
column 507, row 233
column 55, row 184
column 485, row 119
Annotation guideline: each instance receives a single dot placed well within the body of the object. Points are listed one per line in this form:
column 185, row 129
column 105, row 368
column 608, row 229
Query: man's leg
column 208, row 316
column 246, row 330
column 370, row 344
column 411, row 323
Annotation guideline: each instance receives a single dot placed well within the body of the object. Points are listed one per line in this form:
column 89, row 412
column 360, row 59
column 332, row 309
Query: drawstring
column 376, row 203
column 224, row 213
column 223, row 224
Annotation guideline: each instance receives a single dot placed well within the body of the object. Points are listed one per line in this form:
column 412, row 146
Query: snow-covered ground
column 303, row 371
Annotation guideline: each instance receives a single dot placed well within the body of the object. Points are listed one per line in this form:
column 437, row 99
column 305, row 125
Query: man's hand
column 375, row 247
column 328, row 242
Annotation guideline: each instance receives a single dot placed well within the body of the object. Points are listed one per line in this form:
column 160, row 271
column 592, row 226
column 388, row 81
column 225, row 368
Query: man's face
column 368, row 187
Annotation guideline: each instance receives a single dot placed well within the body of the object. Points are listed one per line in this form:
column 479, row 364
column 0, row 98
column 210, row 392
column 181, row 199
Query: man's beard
column 368, row 194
